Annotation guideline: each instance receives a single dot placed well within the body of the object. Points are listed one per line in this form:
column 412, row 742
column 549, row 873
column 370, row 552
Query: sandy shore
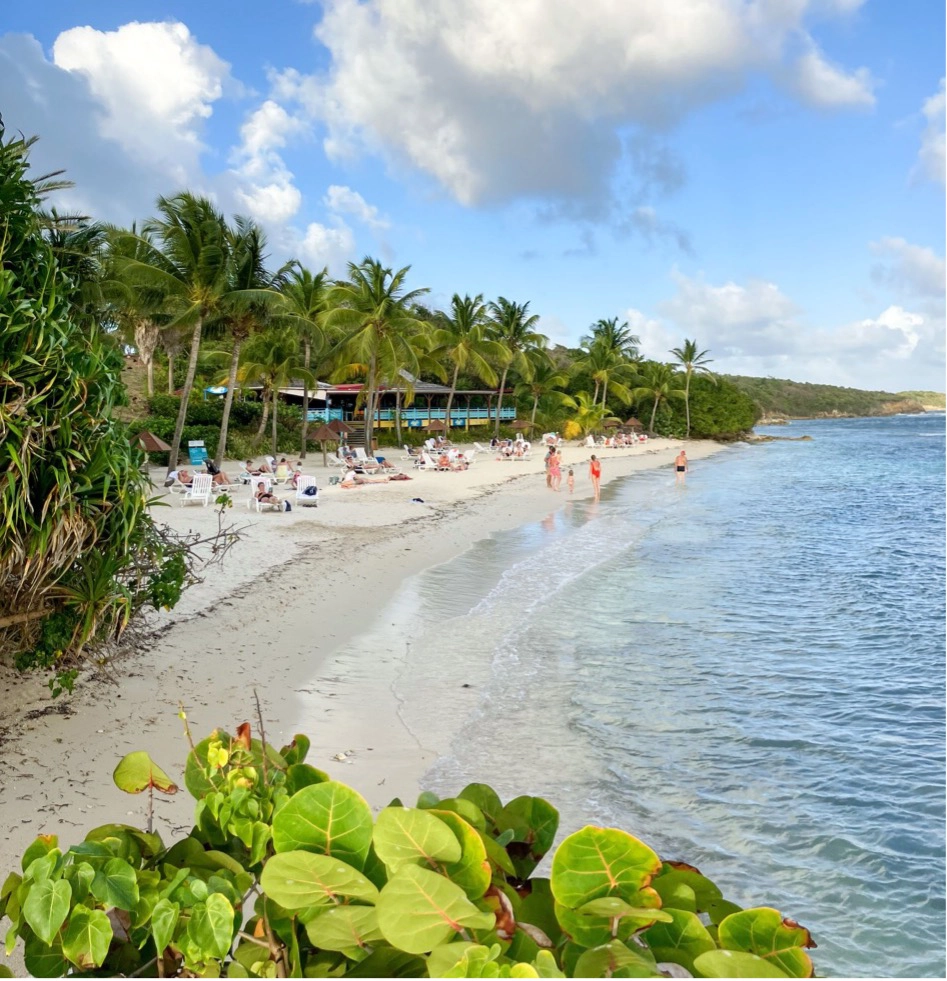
column 277, row 616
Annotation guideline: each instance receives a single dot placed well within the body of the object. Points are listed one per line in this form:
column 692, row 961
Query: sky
column 763, row 176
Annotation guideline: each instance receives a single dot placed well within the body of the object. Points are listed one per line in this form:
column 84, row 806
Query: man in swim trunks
column 680, row 465
column 595, row 475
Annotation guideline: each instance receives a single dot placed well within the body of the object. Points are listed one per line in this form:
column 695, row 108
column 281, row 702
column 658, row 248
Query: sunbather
column 353, row 479
column 265, row 496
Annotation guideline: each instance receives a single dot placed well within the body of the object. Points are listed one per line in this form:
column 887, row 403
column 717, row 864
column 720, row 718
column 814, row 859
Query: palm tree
column 305, row 309
column 512, row 328
column 374, row 313
column 608, row 367
column 693, row 362
column 246, row 306
column 657, row 383
column 463, row 339
column 614, row 337
column 589, row 413
column 547, row 381
column 272, row 358
column 189, row 267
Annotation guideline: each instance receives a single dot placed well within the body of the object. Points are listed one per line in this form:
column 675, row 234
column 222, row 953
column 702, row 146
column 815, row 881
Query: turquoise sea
column 747, row 672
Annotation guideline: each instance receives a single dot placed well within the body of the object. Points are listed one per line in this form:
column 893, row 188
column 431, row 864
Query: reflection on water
column 747, row 671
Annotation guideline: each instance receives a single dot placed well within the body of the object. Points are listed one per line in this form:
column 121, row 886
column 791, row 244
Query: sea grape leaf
column 301, row 775
column 148, row 844
column 87, row 938
column 472, row 871
column 546, row 966
column 764, row 932
column 596, row 862
column 497, row 853
column 326, row 817
column 406, row 836
column 211, row 926
column 386, row 962
column 466, row 809
column 41, row 846
column 538, row 909
column 44, row 960
column 419, row 909
column 347, row 929
column 443, row 957
column 138, row 771
column 592, row 929
column 674, row 893
column 297, row 750
column 47, row 906
column 116, row 885
column 735, row 964
column 164, row 921
column 485, row 798
column 705, row 891
column 534, row 823
column 615, row 960
column 299, row 879
column 679, row 938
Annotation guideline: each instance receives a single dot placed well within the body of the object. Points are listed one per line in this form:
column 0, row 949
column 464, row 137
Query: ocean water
column 747, row 672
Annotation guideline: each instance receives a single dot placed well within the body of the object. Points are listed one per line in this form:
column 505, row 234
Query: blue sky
column 764, row 175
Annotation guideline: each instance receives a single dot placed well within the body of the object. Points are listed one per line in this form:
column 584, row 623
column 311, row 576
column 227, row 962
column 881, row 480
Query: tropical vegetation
column 288, row 873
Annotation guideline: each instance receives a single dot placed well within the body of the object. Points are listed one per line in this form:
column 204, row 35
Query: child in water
column 570, row 481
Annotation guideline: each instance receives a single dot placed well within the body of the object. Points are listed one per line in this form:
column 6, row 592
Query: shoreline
column 278, row 616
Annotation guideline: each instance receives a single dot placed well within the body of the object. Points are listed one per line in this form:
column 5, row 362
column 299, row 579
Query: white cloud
column 931, row 156
column 826, row 86
column 156, row 86
column 343, row 200
column 911, row 270
column 325, row 245
column 496, row 100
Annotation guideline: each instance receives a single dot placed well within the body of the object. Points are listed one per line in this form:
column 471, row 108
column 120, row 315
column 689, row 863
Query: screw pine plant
column 287, row 873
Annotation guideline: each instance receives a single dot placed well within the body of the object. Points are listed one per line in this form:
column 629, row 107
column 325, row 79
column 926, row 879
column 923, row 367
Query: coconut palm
column 273, row 359
column 657, row 383
column 463, row 340
column 614, row 337
column 693, row 362
column 304, row 309
column 589, row 413
column 514, row 329
column 183, row 256
column 608, row 368
column 546, row 382
column 374, row 314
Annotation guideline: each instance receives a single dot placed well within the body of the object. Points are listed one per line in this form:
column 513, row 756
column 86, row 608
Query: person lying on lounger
column 265, row 496
column 353, row 479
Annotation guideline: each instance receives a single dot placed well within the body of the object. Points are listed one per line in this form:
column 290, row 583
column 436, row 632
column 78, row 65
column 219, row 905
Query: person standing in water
column 680, row 465
column 571, row 480
column 595, row 475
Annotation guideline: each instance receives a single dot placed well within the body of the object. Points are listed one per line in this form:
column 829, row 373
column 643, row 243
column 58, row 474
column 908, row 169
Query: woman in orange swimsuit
column 595, row 475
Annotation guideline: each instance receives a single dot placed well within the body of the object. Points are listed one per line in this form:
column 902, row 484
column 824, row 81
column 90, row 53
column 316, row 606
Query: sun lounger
column 302, row 498
column 253, row 504
column 201, row 489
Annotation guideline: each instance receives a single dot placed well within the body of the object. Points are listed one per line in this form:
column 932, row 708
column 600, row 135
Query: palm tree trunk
column 532, row 418
column 604, row 392
column 265, row 416
column 185, row 394
column 170, row 375
column 500, row 400
column 595, row 394
column 654, row 412
column 398, row 416
column 370, row 406
column 450, row 398
column 150, row 378
column 307, row 348
column 687, row 402
column 273, row 420
column 228, row 403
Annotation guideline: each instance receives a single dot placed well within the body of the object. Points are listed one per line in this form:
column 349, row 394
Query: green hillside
column 930, row 400
column 802, row 400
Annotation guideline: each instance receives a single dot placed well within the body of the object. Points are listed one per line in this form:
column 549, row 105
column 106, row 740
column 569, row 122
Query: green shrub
column 287, row 873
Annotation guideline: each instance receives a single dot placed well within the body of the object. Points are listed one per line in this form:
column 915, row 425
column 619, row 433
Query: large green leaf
column 485, row 797
column 472, row 871
column 137, row 772
column 764, row 932
column 43, row 960
column 419, row 909
column 327, row 817
column 347, row 929
column 705, row 892
column 47, row 906
column 443, row 957
column 406, row 836
column 116, row 885
column 534, row 823
column 40, row 846
column 734, row 964
column 597, row 862
column 87, row 938
column 680, row 940
column 164, row 921
column 299, row 879
column 615, row 960
column 211, row 927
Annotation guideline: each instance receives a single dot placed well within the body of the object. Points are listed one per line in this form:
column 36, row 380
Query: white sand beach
column 276, row 616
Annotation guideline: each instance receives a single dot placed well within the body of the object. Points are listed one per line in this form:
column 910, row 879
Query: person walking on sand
column 595, row 475
column 555, row 470
column 570, row 481
column 680, row 466
column 547, row 463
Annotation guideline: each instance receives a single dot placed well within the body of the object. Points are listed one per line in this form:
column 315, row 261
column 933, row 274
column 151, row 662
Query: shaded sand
column 277, row 616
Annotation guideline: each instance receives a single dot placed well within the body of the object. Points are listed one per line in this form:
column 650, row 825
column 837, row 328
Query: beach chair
column 302, row 498
column 425, row 462
column 367, row 462
column 200, row 490
column 408, row 455
column 252, row 503
column 480, row 448
column 282, row 473
column 336, row 460
column 470, row 456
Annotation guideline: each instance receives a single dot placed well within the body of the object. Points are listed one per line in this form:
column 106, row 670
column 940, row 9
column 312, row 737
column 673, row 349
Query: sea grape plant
column 287, row 873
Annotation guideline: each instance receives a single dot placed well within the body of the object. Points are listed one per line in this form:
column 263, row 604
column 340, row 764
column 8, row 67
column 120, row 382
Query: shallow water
column 747, row 672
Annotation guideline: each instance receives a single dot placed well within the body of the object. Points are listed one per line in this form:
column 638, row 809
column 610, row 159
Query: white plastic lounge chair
column 480, row 448
column 367, row 462
column 408, row 455
column 252, row 503
column 426, row 462
column 470, row 456
column 302, row 498
column 200, row 490
column 282, row 473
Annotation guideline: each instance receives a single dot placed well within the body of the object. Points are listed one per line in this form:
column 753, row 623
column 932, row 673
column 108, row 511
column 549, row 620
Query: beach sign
column 196, row 452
